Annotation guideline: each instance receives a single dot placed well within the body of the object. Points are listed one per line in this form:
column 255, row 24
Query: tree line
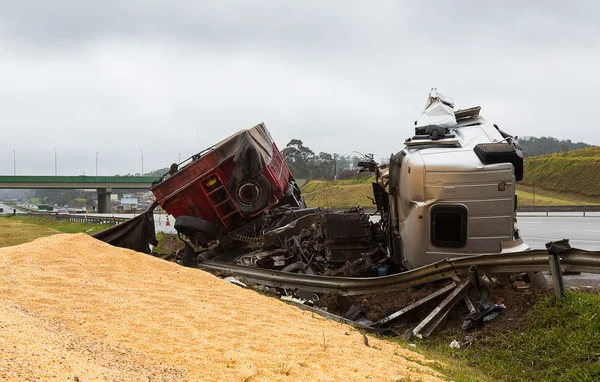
column 305, row 164
column 532, row 146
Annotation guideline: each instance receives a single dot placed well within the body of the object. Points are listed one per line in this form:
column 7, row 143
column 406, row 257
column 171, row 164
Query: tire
column 192, row 226
column 250, row 195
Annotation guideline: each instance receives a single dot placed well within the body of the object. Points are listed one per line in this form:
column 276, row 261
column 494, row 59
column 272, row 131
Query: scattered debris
column 366, row 339
column 396, row 316
column 468, row 340
column 235, row 281
column 428, row 325
column 486, row 311
column 454, row 345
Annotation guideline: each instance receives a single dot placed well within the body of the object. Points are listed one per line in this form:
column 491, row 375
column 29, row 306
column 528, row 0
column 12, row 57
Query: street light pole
column 96, row 163
column 15, row 162
column 142, row 174
column 55, row 163
column 179, row 161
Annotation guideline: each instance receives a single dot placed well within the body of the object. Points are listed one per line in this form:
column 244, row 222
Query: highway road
column 582, row 232
column 7, row 209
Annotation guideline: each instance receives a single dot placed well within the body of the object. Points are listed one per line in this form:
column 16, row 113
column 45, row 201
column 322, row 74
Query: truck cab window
column 449, row 226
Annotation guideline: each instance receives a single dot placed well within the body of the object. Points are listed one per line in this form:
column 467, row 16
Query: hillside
column 569, row 178
column 576, row 172
column 352, row 193
column 338, row 194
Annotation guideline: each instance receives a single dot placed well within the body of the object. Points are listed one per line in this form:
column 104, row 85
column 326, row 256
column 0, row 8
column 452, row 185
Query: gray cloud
column 174, row 77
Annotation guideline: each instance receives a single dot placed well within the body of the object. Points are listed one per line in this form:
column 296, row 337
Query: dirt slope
column 73, row 308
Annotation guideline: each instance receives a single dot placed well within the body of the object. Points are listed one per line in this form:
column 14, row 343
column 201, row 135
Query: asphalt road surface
column 7, row 209
column 582, row 232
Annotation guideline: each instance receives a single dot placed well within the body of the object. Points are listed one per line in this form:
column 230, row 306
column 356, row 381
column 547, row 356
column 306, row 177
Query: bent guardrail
column 576, row 260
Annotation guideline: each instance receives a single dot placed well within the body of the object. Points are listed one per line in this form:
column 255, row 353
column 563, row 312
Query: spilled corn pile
column 73, row 308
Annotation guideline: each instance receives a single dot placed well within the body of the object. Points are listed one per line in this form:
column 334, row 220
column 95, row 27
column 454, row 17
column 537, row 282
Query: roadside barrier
column 108, row 220
column 549, row 209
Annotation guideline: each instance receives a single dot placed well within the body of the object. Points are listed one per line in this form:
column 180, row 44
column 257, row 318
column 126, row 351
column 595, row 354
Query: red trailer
column 227, row 186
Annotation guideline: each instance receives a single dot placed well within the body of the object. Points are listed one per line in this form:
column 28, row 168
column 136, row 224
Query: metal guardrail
column 108, row 220
column 547, row 209
column 531, row 261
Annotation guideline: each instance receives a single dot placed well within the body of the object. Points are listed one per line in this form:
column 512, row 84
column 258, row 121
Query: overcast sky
column 170, row 77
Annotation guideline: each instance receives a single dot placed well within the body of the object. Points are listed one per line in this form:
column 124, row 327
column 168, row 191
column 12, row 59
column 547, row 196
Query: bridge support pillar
column 104, row 200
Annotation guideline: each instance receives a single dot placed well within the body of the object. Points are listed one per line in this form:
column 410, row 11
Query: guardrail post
column 555, row 249
column 584, row 210
column 547, row 210
column 474, row 276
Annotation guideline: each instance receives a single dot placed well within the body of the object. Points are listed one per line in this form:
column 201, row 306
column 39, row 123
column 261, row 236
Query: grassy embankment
column 338, row 194
column 574, row 173
column 19, row 229
column 558, row 341
column 571, row 178
column 350, row 193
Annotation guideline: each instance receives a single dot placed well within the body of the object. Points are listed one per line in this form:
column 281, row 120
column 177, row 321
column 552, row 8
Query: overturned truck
column 450, row 192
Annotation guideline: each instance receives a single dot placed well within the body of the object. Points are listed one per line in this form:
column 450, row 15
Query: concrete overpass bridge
column 103, row 184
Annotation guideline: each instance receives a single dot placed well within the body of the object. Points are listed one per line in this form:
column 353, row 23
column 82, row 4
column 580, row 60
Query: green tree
column 299, row 159
column 325, row 165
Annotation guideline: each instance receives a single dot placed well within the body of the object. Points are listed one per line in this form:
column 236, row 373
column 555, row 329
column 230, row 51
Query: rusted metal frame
column 396, row 316
column 428, row 325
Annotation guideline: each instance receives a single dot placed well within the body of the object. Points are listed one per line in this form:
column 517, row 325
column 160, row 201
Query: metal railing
column 576, row 260
column 547, row 209
column 108, row 220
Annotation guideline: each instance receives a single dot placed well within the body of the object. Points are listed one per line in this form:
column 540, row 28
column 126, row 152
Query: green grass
column 576, row 172
column 525, row 198
column 346, row 194
column 19, row 229
column 571, row 178
column 60, row 225
column 167, row 243
column 15, row 230
column 559, row 342
column 339, row 194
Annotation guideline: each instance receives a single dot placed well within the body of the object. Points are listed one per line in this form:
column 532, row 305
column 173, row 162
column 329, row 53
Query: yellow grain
column 144, row 317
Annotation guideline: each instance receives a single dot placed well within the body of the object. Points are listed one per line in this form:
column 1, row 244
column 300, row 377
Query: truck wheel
column 250, row 195
column 191, row 226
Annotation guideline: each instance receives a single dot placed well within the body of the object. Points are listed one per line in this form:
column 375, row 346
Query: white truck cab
column 452, row 188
